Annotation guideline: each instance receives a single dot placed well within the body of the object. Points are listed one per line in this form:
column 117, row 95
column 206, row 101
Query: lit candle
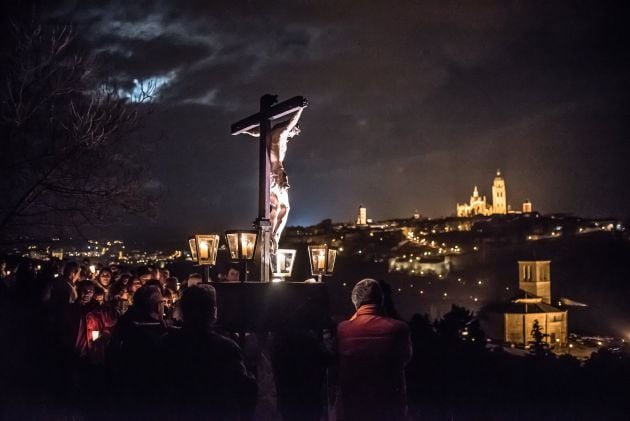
column 203, row 250
column 246, row 246
column 95, row 335
column 282, row 265
column 321, row 261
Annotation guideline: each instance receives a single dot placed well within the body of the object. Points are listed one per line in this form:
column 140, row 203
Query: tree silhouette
column 458, row 327
column 538, row 347
column 64, row 163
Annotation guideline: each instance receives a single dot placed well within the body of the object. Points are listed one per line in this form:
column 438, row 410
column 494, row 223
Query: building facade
column 476, row 206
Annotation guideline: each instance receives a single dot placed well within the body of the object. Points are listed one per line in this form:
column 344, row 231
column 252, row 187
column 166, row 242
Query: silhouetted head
column 232, row 273
column 71, row 272
column 118, row 289
column 144, row 273
column 85, row 291
column 99, row 295
column 105, row 277
column 199, row 306
column 194, row 279
column 367, row 291
column 148, row 303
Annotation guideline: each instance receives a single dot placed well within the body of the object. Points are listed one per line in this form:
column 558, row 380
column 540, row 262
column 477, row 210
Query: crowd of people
column 101, row 342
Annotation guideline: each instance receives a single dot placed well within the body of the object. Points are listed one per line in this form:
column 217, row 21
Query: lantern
column 203, row 250
column 322, row 260
column 283, row 264
column 241, row 244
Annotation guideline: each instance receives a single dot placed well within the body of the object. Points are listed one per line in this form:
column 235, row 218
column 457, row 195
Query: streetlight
column 242, row 244
column 203, row 249
column 322, row 260
column 283, row 264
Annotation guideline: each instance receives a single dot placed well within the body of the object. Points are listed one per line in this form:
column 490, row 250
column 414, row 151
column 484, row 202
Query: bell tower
column 534, row 278
column 499, row 201
column 362, row 216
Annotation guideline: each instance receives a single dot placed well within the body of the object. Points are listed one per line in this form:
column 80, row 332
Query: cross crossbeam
column 273, row 113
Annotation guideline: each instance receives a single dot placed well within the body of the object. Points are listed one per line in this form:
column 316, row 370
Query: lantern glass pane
column 248, row 243
column 193, row 248
column 332, row 256
column 283, row 264
column 318, row 259
column 232, row 240
column 207, row 247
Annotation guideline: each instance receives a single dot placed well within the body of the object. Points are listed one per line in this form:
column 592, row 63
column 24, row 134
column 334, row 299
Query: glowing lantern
column 242, row 244
column 322, row 260
column 283, row 263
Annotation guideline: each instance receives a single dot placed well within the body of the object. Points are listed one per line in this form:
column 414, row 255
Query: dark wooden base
column 255, row 306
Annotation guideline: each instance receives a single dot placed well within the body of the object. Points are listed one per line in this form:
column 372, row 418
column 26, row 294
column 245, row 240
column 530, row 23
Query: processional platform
column 257, row 306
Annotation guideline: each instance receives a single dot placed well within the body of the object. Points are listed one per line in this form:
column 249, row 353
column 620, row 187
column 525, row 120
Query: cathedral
column 478, row 204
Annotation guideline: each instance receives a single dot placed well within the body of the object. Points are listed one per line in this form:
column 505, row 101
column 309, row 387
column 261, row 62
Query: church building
column 477, row 206
column 513, row 322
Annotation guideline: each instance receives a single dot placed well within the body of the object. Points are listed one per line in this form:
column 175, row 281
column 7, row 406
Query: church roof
column 524, row 307
column 523, row 303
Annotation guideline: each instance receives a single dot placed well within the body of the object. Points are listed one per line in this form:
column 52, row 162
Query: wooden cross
column 262, row 120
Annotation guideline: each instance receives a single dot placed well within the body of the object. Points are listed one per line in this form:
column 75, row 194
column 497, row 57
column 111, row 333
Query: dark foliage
column 451, row 377
column 64, row 163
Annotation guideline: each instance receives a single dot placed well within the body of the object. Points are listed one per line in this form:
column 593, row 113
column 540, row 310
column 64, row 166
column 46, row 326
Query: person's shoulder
column 344, row 326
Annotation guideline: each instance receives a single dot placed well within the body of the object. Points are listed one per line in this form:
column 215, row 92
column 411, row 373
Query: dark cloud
column 143, row 58
column 412, row 103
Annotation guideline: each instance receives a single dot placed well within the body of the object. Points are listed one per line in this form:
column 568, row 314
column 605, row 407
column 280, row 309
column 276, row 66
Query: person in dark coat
column 134, row 355
column 73, row 334
column 299, row 358
column 373, row 350
column 211, row 381
column 63, row 290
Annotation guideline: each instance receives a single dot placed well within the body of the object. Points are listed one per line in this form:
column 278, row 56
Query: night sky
column 412, row 103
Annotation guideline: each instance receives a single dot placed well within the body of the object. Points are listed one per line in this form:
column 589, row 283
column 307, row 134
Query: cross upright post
column 262, row 121
column 263, row 224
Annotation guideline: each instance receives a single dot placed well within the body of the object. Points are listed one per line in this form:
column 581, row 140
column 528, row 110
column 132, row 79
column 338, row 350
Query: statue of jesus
column 279, row 183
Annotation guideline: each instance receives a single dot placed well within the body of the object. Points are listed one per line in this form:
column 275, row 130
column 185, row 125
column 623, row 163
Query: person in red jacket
column 373, row 350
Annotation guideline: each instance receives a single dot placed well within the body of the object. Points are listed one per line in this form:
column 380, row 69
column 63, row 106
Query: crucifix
column 272, row 180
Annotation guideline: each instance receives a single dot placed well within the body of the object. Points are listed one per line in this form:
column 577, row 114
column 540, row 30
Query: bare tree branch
column 63, row 129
